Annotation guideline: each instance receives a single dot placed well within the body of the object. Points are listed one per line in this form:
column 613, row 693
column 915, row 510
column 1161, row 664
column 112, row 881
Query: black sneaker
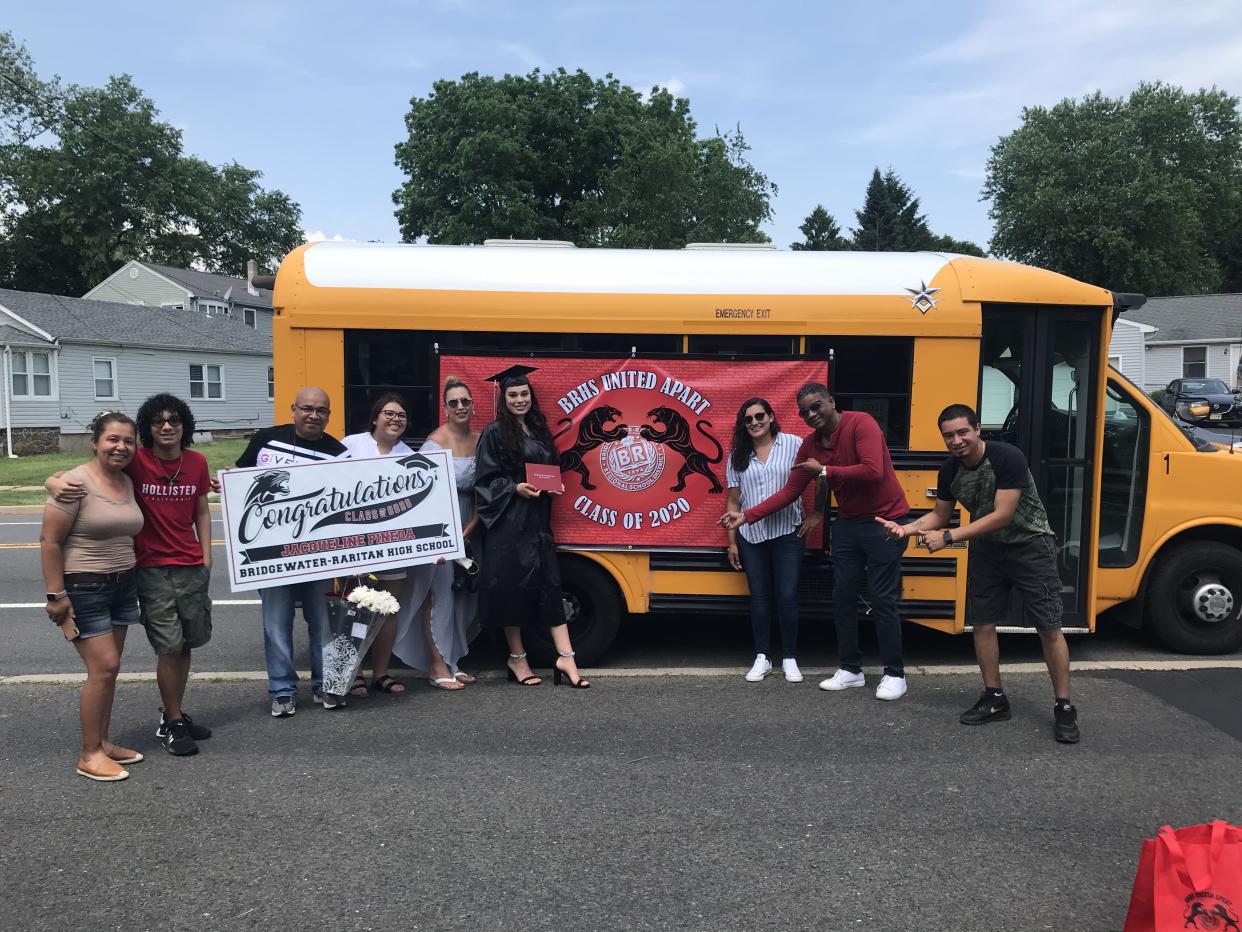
column 1065, row 728
column 176, row 738
column 197, row 732
column 987, row 709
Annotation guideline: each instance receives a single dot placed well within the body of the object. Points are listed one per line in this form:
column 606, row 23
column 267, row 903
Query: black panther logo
column 592, row 433
column 677, row 437
column 1218, row 917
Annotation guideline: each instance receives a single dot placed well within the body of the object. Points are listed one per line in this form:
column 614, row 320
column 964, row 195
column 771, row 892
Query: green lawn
column 32, row 470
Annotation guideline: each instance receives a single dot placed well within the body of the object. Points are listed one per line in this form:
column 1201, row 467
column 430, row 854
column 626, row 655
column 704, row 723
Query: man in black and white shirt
column 298, row 443
column 1012, row 548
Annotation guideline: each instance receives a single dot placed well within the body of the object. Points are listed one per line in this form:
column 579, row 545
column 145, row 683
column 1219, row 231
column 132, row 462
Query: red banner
column 643, row 443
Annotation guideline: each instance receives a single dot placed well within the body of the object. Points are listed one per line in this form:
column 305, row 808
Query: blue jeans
column 282, row 675
column 772, row 570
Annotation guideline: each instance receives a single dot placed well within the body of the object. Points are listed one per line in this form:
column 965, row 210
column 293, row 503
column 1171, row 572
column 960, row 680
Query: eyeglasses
column 756, row 418
column 813, row 408
column 172, row 420
column 395, row 415
column 459, row 402
column 308, row 410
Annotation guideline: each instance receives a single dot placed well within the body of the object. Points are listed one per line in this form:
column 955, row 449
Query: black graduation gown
column 519, row 579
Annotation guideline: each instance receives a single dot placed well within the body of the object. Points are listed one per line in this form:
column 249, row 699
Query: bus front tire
column 1194, row 598
column 592, row 608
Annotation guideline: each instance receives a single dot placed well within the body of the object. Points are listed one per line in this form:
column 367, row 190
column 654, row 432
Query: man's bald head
column 311, row 409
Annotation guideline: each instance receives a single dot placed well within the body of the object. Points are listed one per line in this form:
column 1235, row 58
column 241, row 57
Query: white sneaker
column 762, row 667
column 891, row 687
column 843, row 679
column 792, row 673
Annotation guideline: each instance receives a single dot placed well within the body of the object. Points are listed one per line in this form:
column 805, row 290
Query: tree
column 566, row 156
column 111, row 183
column 1136, row 194
column 949, row 244
column 820, row 232
column 890, row 220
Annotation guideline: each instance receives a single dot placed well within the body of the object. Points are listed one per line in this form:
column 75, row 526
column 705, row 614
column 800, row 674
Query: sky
column 314, row 94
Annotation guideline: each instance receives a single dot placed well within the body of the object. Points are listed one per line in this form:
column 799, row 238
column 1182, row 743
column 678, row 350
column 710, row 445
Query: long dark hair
column 173, row 405
column 512, row 437
column 743, row 446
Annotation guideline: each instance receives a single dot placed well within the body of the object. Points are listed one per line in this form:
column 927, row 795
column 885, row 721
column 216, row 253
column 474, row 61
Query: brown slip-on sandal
column 126, row 755
column 102, row 777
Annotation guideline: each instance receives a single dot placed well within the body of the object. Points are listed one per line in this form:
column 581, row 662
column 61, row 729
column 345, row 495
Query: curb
column 1013, row 669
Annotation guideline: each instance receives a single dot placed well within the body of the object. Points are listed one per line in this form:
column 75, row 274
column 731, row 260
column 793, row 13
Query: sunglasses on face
column 308, row 410
column 755, row 418
column 171, row 421
column 459, row 402
column 813, row 408
column 394, row 415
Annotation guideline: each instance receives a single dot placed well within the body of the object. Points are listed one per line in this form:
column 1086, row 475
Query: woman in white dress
column 436, row 641
column 389, row 419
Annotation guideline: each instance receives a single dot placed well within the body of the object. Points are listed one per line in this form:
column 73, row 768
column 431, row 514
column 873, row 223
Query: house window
column 31, row 375
column 212, row 308
column 1194, row 362
column 249, row 317
column 105, row 379
column 271, row 383
column 206, row 382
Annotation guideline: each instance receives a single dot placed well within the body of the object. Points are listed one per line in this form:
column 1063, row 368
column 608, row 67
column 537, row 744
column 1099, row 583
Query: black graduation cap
column 514, row 375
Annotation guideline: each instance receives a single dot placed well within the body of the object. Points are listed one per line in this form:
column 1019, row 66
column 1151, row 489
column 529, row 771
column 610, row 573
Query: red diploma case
column 545, row 478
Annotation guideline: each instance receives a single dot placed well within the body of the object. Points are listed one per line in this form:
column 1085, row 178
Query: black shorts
column 998, row 569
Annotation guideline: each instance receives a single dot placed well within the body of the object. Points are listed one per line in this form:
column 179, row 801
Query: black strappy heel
column 531, row 680
column 557, row 673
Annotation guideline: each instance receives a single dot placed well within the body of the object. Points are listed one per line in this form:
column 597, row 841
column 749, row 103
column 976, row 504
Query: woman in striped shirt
column 770, row 550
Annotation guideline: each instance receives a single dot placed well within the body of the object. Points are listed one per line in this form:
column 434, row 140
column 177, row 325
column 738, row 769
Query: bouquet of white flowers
column 353, row 623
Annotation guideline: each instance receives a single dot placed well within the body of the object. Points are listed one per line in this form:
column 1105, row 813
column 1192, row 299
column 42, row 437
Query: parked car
column 1202, row 402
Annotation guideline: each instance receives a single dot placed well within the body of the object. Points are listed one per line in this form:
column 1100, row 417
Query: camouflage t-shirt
column 1002, row 467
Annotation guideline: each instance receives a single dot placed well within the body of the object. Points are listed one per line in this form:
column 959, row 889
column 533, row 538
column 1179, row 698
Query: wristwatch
column 948, row 538
column 56, row 596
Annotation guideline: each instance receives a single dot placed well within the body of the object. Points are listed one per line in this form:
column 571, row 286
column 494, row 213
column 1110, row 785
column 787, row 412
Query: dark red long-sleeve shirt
column 860, row 473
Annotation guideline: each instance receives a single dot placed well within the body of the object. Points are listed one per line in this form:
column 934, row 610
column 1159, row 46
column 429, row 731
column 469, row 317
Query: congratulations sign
column 339, row 518
column 643, row 443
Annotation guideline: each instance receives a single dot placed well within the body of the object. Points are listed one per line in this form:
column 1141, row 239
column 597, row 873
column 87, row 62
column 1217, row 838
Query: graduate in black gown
column 519, row 579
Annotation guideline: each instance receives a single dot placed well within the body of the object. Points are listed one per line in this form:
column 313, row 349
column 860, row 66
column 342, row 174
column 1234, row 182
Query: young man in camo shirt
column 1011, row 547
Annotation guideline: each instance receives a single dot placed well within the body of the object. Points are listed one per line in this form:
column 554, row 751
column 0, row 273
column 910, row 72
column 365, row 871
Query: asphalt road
column 692, row 801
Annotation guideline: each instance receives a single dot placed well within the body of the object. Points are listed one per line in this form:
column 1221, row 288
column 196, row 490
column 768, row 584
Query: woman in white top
column 770, row 551
column 389, row 419
column 436, row 641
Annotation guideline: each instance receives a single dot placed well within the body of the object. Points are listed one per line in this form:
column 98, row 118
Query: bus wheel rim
column 1211, row 601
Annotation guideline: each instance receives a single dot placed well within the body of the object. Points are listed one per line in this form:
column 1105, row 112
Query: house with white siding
column 1195, row 336
column 187, row 289
column 1127, row 351
column 63, row 360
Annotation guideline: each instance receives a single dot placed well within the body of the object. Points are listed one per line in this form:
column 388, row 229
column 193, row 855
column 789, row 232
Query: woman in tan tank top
column 87, row 550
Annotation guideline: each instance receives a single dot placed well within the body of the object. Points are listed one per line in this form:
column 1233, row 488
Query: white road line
column 636, row 672
column 213, row 602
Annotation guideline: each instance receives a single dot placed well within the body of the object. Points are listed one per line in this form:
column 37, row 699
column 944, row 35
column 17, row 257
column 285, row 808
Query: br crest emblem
column 632, row 463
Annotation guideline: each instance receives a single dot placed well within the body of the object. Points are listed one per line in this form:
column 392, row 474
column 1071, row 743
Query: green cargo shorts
column 176, row 606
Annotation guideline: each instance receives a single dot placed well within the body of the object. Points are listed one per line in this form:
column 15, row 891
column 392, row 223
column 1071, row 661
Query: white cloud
column 522, row 53
column 318, row 236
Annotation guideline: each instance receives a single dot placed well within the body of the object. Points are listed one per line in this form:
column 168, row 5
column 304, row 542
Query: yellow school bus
column 1148, row 521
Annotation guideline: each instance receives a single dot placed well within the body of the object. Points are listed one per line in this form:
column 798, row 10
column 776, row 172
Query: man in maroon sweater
column 847, row 449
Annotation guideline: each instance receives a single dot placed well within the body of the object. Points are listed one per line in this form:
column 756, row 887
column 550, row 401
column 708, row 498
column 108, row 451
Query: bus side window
column 872, row 375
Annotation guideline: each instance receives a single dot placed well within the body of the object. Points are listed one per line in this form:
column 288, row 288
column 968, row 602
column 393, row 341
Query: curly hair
column 173, row 405
column 743, row 446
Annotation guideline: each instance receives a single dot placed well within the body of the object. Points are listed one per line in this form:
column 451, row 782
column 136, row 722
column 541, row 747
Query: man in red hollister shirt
column 847, row 449
column 174, row 555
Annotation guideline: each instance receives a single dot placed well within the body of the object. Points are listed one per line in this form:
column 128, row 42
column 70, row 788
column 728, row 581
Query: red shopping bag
column 1190, row 878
